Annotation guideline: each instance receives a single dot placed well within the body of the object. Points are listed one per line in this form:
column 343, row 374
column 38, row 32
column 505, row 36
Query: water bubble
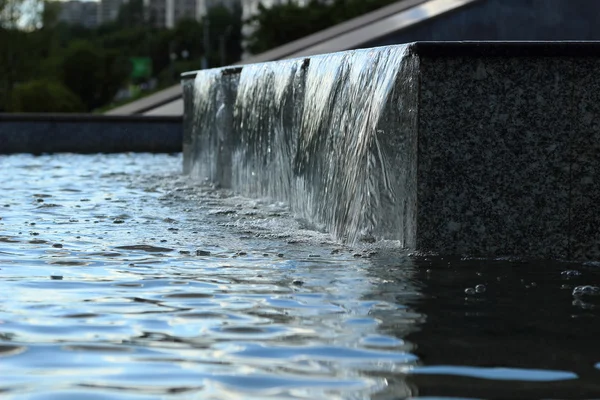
column 470, row 291
column 586, row 290
column 566, row 286
column 480, row 288
column 583, row 304
column 592, row 263
column 570, row 273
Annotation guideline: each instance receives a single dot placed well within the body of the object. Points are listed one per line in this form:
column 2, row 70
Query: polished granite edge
column 90, row 136
column 474, row 49
column 87, row 118
column 507, row 49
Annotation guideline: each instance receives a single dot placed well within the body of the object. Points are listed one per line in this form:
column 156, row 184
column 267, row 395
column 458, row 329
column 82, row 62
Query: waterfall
column 340, row 158
column 214, row 91
column 328, row 135
column 267, row 112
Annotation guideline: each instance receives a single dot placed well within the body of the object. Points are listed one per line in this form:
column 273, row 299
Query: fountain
column 453, row 147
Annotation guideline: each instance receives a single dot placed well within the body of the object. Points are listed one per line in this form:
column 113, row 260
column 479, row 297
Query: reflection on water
column 121, row 279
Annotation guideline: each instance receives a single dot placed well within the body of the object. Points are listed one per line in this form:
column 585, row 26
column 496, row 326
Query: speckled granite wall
column 508, row 150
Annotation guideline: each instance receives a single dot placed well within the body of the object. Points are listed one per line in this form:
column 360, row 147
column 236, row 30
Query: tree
column 24, row 14
column 92, row 74
column 44, row 96
column 225, row 32
column 10, row 13
column 131, row 14
column 19, row 60
column 285, row 22
column 50, row 14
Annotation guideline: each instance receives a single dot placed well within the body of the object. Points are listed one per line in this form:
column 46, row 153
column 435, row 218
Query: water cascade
column 348, row 172
column 311, row 133
column 209, row 139
column 267, row 115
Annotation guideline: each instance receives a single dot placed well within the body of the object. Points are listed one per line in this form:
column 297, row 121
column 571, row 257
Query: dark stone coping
column 477, row 49
column 97, row 118
column 89, row 133
column 507, row 49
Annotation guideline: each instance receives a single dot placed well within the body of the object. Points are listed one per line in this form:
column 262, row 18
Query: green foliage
column 94, row 64
column 225, row 28
column 171, row 75
column 44, row 96
column 131, row 13
column 18, row 58
column 93, row 74
column 286, row 22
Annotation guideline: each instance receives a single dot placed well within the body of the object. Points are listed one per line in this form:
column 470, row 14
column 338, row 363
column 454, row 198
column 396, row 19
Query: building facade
column 156, row 12
column 180, row 9
column 77, row 12
column 108, row 10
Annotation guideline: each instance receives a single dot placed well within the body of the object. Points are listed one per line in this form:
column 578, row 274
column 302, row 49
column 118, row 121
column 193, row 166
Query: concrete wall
column 495, row 146
column 47, row 133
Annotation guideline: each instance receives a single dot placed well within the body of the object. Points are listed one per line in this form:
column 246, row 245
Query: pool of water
column 121, row 279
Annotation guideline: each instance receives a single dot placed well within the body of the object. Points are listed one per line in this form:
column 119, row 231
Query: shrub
column 44, row 96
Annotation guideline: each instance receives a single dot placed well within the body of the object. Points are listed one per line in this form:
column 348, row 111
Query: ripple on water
column 146, row 248
column 199, row 293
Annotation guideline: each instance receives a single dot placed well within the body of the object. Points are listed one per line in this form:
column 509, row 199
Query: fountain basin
column 479, row 148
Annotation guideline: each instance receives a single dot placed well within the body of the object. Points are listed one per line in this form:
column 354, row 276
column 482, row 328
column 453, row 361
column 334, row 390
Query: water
column 314, row 133
column 121, row 279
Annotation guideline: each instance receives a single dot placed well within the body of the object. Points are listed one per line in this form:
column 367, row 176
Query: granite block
column 494, row 141
column 585, row 166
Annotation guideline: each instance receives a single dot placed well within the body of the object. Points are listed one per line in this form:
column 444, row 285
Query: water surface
column 121, row 279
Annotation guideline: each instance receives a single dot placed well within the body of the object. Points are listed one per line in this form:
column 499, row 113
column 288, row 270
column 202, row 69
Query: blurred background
column 93, row 56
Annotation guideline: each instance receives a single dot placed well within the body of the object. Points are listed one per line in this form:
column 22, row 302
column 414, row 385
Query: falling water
column 214, row 91
column 267, row 116
column 331, row 136
column 341, row 157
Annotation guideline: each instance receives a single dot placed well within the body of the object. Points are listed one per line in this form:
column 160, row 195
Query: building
column 205, row 5
column 75, row 12
column 156, row 12
column 180, row 9
column 108, row 10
